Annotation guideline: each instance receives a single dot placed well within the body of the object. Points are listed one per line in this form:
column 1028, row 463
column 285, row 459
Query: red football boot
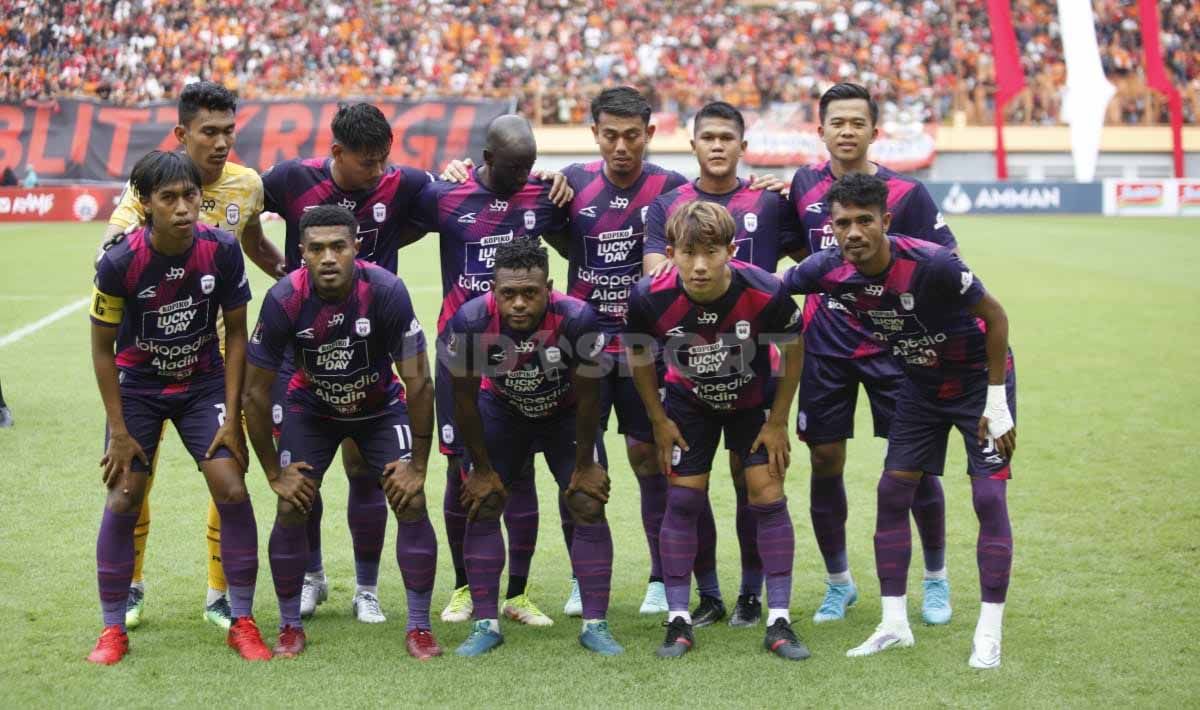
column 421, row 644
column 291, row 642
column 111, row 647
column 245, row 638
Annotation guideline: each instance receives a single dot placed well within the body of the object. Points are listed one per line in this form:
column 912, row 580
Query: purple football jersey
column 717, row 353
column 167, row 333
column 472, row 221
column 830, row 330
column 530, row 371
column 607, row 229
column 767, row 229
column 919, row 307
column 294, row 186
column 343, row 351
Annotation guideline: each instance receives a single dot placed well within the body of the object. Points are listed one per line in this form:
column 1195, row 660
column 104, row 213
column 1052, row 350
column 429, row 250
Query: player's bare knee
column 643, row 459
column 124, row 500
column 289, row 515
column 414, row 511
column 231, row 492
column 491, row 508
column 760, row 493
column 585, row 509
column 827, row 459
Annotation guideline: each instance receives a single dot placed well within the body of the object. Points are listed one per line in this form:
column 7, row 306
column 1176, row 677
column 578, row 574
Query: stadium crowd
column 928, row 56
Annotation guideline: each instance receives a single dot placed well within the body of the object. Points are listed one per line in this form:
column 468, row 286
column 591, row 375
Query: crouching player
column 158, row 293
column 951, row 338
column 716, row 319
column 525, row 362
column 347, row 321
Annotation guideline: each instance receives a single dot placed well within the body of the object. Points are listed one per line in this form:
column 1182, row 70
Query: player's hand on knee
column 667, row 437
column 457, row 170
column 402, row 484
column 591, row 480
column 294, row 488
column 779, row 448
column 230, row 436
column 561, row 193
column 118, row 459
column 479, row 486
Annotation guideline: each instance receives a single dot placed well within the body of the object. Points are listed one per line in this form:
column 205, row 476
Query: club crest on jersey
column 750, row 221
column 362, row 327
column 553, row 355
column 277, row 414
column 379, row 211
column 285, row 458
column 742, row 329
column 906, row 300
column 208, row 282
column 448, row 433
column 530, row 219
column 233, row 213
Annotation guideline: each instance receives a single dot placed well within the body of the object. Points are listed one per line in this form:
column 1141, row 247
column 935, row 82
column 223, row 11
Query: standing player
column 157, row 297
column 231, row 198
column 840, row 353
column 346, row 322
column 716, row 320
column 498, row 203
column 951, row 338
column 357, row 177
column 766, row 229
column 524, row 360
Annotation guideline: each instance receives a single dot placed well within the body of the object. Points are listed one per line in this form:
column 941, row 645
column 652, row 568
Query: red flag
column 1156, row 75
column 1010, row 77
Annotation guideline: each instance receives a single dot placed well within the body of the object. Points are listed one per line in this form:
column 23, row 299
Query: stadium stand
column 925, row 56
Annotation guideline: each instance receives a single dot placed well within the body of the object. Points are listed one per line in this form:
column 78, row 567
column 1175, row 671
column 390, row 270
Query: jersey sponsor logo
column 618, row 203
column 233, row 214
column 530, row 219
column 889, row 323
column 481, row 255
column 341, row 357
column 742, row 329
column 362, row 327
column 468, row 218
column 498, row 205
column 306, row 334
column 823, row 238
column 610, row 250
column 967, row 279
column 208, row 204
column 610, row 289
column 336, row 319
column 175, row 273
column 379, row 211
column 348, row 204
column 907, row 301
column 208, row 282
column 589, row 211
column 174, row 321
column 712, row 360
column 873, row 290
column 815, row 208
column 148, row 292
column 750, row 221
column 707, row 318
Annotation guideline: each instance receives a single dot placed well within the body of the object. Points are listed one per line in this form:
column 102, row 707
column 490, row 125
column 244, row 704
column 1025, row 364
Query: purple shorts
column 829, row 395
column 617, row 392
column 196, row 414
column 701, row 427
column 313, row 439
column 443, row 393
column 921, row 429
column 512, row 438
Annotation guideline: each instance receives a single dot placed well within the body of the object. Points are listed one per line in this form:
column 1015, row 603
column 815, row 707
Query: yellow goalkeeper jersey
column 230, row 203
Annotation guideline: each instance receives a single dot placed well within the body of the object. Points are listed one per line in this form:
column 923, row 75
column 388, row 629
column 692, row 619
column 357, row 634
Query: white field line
column 40, row 323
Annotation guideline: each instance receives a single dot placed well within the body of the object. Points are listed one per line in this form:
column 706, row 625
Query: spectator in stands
column 8, row 178
column 31, row 178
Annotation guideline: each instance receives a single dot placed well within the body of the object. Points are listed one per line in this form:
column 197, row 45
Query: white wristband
column 996, row 410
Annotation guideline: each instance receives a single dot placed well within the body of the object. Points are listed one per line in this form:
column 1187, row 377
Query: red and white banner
column 58, row 204
column 1165, row 198
column 780, row 137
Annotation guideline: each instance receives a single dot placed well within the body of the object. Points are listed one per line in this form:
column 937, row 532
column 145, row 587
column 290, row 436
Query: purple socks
column 288, row 551
column 483, row 552
column 239, row 554
column 994, row 549
column 313, row 530
column 114, row 564
column 706, row 552
column 929, row 513
column 678, row 542
column 827, row 506
column 416, row 554
column 777, row 546
column 747, row 534
column 591, row 558
column 521, row 523
column 456, row 520
column 654, row 506
column 893, row 537
column 367, row 514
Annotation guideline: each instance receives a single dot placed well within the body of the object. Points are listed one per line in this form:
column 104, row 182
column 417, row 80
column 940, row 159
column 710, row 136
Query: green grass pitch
column 1104, row 606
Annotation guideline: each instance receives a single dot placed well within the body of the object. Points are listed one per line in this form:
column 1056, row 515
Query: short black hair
column 623, row 101
column 858, row 190
column 328, row 216
column 362, row 128
column 847, row 90
column 720, row 109
column 158, row 169
column 523, row 253
column 204, row 95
